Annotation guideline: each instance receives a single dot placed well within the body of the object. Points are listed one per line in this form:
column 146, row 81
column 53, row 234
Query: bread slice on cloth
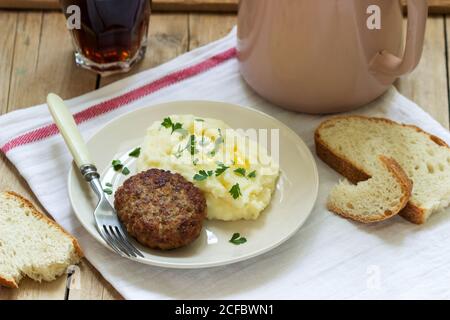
column 352, row 145
column 378, row 198
column 31, row 244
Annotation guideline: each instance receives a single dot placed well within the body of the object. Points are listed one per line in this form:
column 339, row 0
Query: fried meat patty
column 162, row 210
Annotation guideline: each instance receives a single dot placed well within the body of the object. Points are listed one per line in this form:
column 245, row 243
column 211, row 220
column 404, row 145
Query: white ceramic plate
column 292, row 201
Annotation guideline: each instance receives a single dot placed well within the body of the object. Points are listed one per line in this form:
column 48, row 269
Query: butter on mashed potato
column 236, row 174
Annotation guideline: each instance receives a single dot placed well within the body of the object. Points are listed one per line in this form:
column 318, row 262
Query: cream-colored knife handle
column 69, row 130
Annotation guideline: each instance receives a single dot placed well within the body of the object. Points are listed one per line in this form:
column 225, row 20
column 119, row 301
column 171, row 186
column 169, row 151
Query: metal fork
column 108, row 224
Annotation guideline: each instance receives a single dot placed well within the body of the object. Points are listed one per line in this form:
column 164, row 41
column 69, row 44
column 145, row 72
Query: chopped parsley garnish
column 117, row 165
column 252, row 174
column 177, row 126
column 237, row 239
column 195, row 162
column 221, row 169
column 240, row 171
column 135, row 153
column 192, row 145
column 108, row 184
column 200, row 120
column 235, row 191
column 203, row 175
column 108, row 191
column 167, row 123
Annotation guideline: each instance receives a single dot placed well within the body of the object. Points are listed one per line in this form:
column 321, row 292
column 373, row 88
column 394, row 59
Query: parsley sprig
column 243, row 173
column 235, row 191
column 118, row 166
column 221, row 169
column 240, row 172
column 192, row 148
column 203, row 175
column 167, row 123
column 135, row 153
column 252, row 174
column 237, row 239
column 108, row 188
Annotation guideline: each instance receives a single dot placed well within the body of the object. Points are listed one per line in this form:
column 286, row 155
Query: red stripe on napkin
column 122, row 100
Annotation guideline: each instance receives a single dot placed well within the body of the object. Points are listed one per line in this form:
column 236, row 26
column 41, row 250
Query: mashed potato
column 236, row 174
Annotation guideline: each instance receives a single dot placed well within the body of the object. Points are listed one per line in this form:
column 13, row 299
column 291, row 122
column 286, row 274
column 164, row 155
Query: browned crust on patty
column 405, row 183
column 162, row 210
column 41, row 216
column 353, row 173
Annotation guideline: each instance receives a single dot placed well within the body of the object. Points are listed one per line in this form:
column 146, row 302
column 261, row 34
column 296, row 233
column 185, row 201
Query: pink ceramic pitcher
column 324, row 56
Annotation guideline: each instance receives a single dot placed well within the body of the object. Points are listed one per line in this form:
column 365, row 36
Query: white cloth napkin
column 329, row 257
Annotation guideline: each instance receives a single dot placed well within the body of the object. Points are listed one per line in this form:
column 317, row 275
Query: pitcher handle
column 387, row 64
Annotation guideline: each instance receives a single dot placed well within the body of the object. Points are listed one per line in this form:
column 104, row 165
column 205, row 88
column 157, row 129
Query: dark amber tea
column 109, row 35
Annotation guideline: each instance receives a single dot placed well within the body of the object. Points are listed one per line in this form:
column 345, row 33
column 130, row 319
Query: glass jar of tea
column 110, row 36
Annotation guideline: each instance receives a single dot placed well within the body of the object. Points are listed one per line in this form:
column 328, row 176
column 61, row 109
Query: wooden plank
column 436, row 6
column 32, row 290
column 29, row 4
column 88, row 284
column 35, row 69
column 8, row 22
column 157, row 5
column 196, row 5
column 447, row 42
column 205, row 28
column 427, row 85
column 40, row 68
column 23, row 53
column 9, row 177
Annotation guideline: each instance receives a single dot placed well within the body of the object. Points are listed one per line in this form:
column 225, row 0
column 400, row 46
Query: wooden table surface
column 36, row 58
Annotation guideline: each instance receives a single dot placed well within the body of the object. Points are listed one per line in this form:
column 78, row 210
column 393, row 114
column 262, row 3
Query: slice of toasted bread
column 376, row 199
column 352, row 144
column 31, row 244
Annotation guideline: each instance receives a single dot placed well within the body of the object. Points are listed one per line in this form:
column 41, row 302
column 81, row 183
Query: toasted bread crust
column 405, row 183
column 338, row 163
column 411, row 212
column 26, row 203
column 8, row 283
column 49, row 221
